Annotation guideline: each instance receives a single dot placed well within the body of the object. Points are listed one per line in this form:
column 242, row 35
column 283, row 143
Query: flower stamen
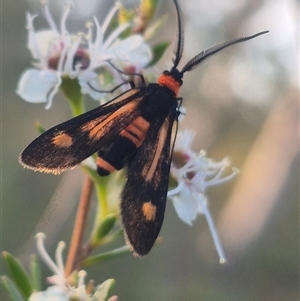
column 69, row 64
column 212, row 228
column 218, row 178
column 113, row 36
column 40, row 237
column 109, row 17
column 59, row 258
column 68, row 6
column 81, row 275
column 47, row 15
column 32, row 42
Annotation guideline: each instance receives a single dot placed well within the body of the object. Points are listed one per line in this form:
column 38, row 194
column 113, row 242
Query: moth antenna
column 178, row 49
column 196, row 60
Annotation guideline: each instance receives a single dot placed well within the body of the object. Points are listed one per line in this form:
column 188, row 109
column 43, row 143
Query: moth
column 136, row 130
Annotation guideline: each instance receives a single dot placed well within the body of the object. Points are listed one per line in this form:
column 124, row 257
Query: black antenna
column 196, row 60
column 180, row 37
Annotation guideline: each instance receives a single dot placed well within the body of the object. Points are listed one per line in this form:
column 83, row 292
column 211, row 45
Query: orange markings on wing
column 89, row 126
column 98, row 131
column 62, row 140
column 149, row 211
column 149, row 170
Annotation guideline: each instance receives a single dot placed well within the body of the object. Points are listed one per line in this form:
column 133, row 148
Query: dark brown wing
column 69, row 143
column 145, row 192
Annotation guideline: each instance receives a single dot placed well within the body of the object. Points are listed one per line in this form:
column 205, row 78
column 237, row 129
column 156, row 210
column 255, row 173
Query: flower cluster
column 58, row 53
column 60, row 288
column 194, row 173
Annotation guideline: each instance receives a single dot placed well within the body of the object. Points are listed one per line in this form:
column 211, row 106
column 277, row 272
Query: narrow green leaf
column 39, row 127
column 106, row 225
column 107, row 239
column 35, row 273
column 106, row 256
column 158, row 51
column 11, row 289
column 103, row 291
column 18, row 275
column 101, row 191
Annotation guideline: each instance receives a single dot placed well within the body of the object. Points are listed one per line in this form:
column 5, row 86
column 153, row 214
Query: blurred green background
column 242, row 103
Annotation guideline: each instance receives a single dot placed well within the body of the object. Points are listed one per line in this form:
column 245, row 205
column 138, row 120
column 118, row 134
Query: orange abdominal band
column 105, row 165
column 170, row 82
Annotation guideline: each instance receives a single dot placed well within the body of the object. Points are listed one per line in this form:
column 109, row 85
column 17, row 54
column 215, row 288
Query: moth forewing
column 69, row 143
column 144, row 196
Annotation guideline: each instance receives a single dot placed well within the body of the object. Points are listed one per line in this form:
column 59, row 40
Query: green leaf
column 18, row 275
column 101, row 191
column 35, row 273
column 158, row 51
column 103, row 291
column 39, row 127
column 106, row 256
column 11, row 289
column 106, row 225
column 72, row 90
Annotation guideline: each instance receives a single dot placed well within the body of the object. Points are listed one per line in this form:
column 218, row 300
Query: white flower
column 58, row 53
column 194, row 173
column 60, row 289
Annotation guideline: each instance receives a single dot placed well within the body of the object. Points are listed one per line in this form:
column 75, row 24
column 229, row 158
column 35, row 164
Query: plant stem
column 79, row 226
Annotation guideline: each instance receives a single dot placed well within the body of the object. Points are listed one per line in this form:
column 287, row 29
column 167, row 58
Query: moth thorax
column 170, row 82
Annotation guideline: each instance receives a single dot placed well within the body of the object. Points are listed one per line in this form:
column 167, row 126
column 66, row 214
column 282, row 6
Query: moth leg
column 180, row 111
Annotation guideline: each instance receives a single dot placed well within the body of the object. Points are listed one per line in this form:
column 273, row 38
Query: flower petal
column 34, row 86
column 88, row 79
column 53, row 293
column 44, row 40
column 186, row 206
column 132, row 50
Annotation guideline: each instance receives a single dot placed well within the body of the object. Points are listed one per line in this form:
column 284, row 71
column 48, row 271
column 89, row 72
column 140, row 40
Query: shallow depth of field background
column 242, row 103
